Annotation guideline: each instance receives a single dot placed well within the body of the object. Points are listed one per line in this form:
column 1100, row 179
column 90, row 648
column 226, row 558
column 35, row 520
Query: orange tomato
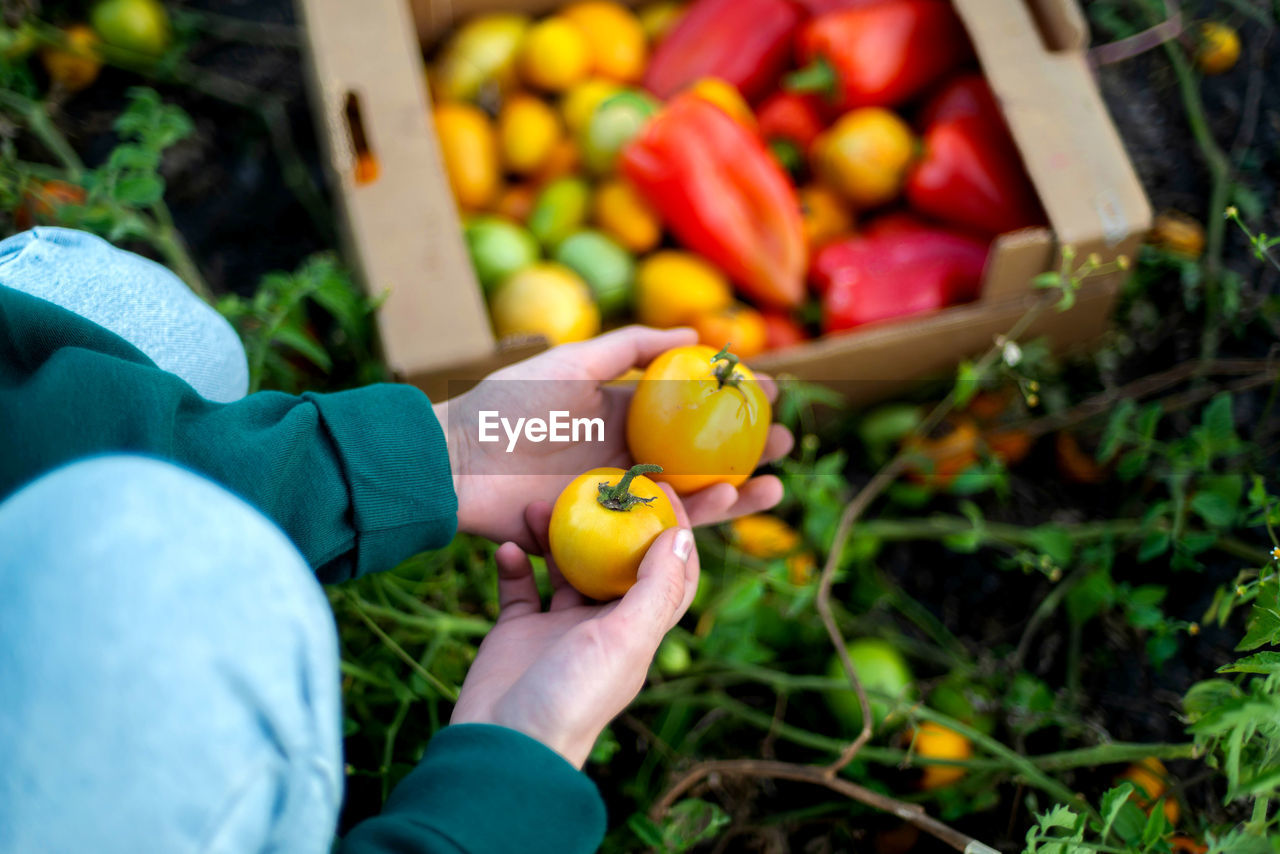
column 76, row 65
column 934, row 741
column 739, row 325
column 824, row 214
column 41, row 201
column 516, row 202
column 938, row 458
column 700, row 415
column 1074, row 464
column 1177, row 232
column 1150, row 780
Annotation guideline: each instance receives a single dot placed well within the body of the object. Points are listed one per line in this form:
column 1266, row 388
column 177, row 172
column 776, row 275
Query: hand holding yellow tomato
column 560, row 675
column 700, row 415
column 602, row 525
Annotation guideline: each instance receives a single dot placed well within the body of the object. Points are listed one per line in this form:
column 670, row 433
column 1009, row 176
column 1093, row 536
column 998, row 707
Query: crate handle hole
column 367, row 168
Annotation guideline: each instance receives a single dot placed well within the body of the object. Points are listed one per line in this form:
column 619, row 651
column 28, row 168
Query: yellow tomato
column 528, row 131
column 545, row 299
column 762, row 535
column 658, row 18
column 75, row 65
column 1178, row 233
column 865, row 155
column 674, row 287
column 1150, row 780
column 934, row 741
column 580, row 102
column 615, row 38
column 554, row 55
column 626, row 217
column 738, row 325
column 599, row 537
column 726, row 96
column 765, row 536
column 480, row 54
column 469, row 148
column 701, row 416
column 801, row 567
column 824, row 214
column 1219, row 48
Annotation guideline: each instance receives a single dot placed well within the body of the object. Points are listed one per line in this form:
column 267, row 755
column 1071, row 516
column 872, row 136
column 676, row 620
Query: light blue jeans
column 168, row 662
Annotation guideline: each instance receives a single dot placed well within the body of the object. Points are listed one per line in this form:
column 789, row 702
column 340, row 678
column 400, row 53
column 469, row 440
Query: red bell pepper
column 964, row 95
column 719, row 191
column 971, row 175
column 822, row 7
column 745, row 42
column 879, row 55
column 896, row 273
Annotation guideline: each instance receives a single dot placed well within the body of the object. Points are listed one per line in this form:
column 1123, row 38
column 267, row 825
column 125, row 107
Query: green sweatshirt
column 359, row 480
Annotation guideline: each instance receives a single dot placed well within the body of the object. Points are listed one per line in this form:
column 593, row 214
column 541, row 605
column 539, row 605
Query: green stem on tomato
column 819, row 76
column 618, row 496
column 726, row 374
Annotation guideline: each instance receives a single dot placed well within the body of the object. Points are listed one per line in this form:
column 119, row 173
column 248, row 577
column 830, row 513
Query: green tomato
column 16, row 44
column 956, row 698
column 607, row 267
column 559, row 210
column 141, row 26
column 615, row 122
column 673, row 657
column 498, row 248
column 882, row 671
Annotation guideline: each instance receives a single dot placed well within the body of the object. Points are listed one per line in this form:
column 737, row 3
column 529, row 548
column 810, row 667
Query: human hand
column 560, row 675
column 494, row 486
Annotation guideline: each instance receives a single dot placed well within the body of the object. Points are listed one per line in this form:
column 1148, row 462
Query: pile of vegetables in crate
column 763, row 170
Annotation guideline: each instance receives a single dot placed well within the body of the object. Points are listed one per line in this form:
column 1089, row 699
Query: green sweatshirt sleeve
column 483, row 789
column 359, row 480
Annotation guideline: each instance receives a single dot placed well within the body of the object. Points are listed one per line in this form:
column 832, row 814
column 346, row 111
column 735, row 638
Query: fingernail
column 684, row 544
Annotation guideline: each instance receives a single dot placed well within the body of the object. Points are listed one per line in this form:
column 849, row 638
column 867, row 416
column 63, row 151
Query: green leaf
column 645, row 829
column 1161, row 648
column 305, row 345
column 1261, row 663
column 1153, row 545
column 1219, row 422
column 690, row 822
column 1091, row 596
column 1214, row 509
column 1113, row 434
column 1112, row 802
column 139, row 190
column 1264, row 629
column 1054, row 541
